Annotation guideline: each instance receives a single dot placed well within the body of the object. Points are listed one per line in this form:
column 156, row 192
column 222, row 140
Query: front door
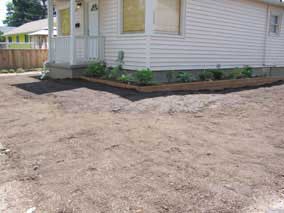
column 93, row 28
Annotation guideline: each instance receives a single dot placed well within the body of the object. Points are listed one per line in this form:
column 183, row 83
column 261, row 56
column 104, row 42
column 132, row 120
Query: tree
column 2, row 38
column 22, row 11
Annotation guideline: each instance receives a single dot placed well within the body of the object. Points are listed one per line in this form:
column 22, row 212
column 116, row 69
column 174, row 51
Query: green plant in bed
column 238, row 73
column 185, row 77
column 206, row 76
column 114, row 73
column 144, row 76
column 96, row 69
column 247, row 72
column 125, row 78
column 217, row 74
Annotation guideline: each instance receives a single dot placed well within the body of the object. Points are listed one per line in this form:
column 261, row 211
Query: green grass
column 19, row 70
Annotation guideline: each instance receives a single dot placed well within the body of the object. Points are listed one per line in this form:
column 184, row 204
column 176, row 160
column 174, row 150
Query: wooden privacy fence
column 25, row 58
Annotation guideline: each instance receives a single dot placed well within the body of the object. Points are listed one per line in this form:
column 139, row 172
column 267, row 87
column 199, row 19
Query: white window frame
column 182, row 22
column 279, row 25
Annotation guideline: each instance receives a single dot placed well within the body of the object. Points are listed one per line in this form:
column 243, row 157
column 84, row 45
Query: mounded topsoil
column 73, row 146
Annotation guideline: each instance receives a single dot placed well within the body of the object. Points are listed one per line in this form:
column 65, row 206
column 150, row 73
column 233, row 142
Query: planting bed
column 194, row 86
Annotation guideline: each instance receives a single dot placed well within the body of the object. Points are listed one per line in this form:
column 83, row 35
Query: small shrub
column 217, row 74
column 20, row 70
column 247, row 72
column 114, row 72
column 144, row 77
column 4, row 71
column 125, row 78
column 236, row 74
column 12, row 71
column 97, row 69
column 206, row 76
column 185, row 77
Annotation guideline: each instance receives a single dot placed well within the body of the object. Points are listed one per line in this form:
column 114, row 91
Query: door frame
column 87, row 17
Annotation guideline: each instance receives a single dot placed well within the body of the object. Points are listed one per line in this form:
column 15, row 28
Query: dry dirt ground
column 72, row 146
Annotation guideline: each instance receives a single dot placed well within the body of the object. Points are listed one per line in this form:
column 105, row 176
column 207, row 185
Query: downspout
column 149, row 29
column 266, row 35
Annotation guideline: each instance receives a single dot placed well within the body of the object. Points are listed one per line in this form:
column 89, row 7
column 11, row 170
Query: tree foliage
column 2, row 38
column 22, row 11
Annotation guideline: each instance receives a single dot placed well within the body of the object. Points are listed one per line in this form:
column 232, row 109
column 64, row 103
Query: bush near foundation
column 96, row 69
column 206, row 76
column 238, row 73
column 144, row 76
column 185, row 77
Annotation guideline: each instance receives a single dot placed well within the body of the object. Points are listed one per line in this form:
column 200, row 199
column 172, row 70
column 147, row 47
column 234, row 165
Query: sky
column 3, row 10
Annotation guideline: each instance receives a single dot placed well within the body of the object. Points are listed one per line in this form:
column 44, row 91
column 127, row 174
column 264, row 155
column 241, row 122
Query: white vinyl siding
column 229, row 33
column 275, row 43
column 133, row 45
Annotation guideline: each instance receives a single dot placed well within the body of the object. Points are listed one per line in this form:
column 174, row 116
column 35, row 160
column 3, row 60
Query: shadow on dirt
column 53, row 86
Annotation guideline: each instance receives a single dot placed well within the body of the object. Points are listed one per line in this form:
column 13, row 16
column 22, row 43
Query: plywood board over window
column 167, row 16
column 65, row 22
column 133, row 16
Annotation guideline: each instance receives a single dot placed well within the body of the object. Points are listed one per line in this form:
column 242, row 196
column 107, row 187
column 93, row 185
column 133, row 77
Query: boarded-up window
column 65, row 22
column 133, row 16
column 167, row 16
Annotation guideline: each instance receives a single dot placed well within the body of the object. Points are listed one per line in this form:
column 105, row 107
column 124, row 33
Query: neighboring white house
column 166, row 34
column 39, row 38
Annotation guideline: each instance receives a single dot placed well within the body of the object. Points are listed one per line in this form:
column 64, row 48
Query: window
column 133, row 16
column 27, row 39
column 167, row 16
column 17, row 39
column 10, row 39
column 275, row 24
column 65, row 22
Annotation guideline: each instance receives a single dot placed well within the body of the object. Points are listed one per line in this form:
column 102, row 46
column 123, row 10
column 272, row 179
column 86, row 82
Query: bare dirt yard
column 73, row 146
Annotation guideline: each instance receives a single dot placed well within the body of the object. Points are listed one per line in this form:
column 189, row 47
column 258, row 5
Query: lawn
column 74, row 146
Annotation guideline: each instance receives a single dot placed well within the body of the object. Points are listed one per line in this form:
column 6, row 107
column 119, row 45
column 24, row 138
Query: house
column 4, row 29
column 166, row 35
column 30, row 35
column 39, row 39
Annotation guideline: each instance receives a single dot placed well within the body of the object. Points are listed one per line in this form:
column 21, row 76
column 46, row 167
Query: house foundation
column 65, row 71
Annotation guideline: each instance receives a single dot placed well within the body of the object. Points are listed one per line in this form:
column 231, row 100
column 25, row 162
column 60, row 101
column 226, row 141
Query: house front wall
column 134, row 45
column 63, row 19
column 220, row 33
